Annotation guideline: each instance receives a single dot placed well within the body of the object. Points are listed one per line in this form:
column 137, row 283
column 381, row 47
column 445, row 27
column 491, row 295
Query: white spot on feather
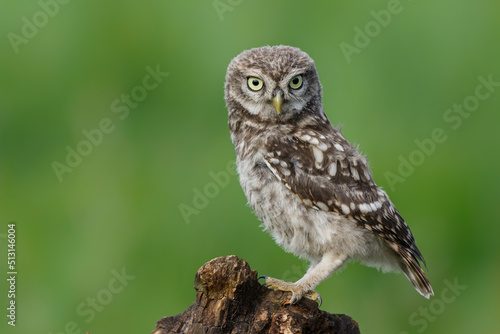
column 273, row 170
column 318, row 155
column 322, row 206
column 338, row 147
column 305, row 137
column 364, row 208
column 285, row 171
column 322, row 146
column 314, row 141
column 307, row 202
column 332, row 169
column 355, row 174
column 345, row 209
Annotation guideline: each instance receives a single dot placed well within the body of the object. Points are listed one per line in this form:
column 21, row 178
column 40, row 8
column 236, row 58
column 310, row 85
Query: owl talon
column 293, row 300
column 313, row 295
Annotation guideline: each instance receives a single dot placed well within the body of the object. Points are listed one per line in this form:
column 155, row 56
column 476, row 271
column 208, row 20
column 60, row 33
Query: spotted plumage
column 310, row 187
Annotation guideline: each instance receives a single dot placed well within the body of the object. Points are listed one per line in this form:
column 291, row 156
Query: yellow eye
column 255, row 83
column 296, row 82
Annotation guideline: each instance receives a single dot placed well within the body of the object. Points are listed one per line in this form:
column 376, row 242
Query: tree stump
column 229, row 299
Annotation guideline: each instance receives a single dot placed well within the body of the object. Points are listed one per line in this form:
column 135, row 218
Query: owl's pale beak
column 277, row 101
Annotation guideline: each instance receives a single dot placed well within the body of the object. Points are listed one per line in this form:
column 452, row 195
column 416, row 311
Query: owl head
column 275, row 83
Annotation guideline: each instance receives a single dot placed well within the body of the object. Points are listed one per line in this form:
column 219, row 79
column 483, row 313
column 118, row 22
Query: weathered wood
column 229, row 299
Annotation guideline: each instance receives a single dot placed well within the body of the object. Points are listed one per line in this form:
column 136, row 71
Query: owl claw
column 313, row 295
column 293, row 300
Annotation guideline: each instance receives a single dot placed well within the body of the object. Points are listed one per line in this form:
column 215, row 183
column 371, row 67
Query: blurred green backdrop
column 390, row 71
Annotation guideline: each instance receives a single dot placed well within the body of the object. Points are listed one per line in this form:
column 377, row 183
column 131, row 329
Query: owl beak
column 277, row 101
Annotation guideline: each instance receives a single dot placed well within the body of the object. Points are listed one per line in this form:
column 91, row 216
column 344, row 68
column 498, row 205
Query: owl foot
column 297, row 291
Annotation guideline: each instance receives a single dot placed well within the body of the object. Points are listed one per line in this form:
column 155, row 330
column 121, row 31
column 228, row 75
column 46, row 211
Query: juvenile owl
column 312, row 190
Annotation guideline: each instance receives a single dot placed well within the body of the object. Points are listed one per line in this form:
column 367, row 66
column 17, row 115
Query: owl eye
column 296, row 82
column 255, row 83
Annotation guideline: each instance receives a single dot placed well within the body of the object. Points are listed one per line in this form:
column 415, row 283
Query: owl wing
column 328, row 174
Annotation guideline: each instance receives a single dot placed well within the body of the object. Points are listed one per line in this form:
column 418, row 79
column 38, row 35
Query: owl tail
column 412, row 270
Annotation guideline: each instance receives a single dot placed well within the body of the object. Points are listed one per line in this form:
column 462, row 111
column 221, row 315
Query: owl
column 312, row 189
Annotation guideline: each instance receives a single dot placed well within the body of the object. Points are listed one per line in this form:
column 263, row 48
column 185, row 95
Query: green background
column 121, row 206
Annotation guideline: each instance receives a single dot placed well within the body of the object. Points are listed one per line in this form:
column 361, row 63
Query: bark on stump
column 229, row 299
